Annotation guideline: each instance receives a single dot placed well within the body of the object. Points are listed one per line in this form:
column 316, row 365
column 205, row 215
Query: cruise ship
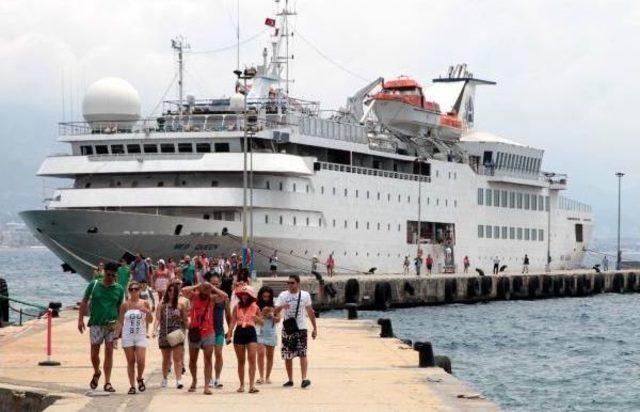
column 400, row 171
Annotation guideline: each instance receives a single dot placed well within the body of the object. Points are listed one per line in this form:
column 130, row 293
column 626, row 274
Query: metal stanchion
column 49, row 362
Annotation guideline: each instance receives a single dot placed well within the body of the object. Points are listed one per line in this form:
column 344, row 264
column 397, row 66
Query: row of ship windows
column 517, row 162
column 512, row 200
column 356, row 193
column 504, row 232
column 307, row 222
column 103, row 149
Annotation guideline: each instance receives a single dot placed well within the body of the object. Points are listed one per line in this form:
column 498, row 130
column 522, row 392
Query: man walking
column 525, row 264
column 417, row 262
column 139, row 269
column 105, row 296
column 466, row 264
column 295, row 302
column 496, row 265
column 124, row 275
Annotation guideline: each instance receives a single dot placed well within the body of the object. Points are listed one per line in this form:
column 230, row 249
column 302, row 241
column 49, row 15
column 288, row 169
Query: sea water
column 572, row 354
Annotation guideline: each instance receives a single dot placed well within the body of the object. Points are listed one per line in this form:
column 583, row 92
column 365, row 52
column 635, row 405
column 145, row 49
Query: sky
column 565, row 72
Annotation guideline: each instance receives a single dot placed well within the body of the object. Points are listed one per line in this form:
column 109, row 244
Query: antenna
column 64, row 109
column 179, row 44
column 238, row 38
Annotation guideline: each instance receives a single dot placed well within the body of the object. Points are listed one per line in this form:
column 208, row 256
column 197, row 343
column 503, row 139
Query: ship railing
column 485, row 170
column 307, row 123
column 337, row 167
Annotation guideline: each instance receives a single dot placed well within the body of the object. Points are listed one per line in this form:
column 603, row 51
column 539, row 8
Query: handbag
column 290, row 325
column 177, row 336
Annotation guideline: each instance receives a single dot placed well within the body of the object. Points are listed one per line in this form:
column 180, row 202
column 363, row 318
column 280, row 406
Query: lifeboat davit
column 402, row 107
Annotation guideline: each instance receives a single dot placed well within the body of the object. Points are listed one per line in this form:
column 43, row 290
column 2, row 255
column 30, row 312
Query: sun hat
column 245, row 290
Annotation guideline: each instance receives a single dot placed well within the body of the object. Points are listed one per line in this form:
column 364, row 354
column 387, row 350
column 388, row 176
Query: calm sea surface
column 579, row 354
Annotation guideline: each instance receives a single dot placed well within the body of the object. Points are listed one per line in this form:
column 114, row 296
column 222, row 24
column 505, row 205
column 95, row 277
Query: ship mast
column 179, row 44
column 284, row 14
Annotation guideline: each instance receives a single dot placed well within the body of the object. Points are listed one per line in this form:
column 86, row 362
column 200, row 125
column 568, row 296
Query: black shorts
column 245, row 336
column 274, row 268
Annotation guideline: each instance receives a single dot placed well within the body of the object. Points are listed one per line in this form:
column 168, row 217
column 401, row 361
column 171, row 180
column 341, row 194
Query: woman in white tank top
column 135, row 316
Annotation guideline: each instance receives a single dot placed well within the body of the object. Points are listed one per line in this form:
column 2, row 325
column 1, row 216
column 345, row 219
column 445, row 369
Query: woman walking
column 244, row 317
column 161, row 279
column 135, row 315
column 171, row 317
column 267, row 339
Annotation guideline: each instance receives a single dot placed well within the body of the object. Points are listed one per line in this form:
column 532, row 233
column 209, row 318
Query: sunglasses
column 134, row 289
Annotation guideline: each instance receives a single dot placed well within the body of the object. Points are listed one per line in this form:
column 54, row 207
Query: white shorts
column 130, row 340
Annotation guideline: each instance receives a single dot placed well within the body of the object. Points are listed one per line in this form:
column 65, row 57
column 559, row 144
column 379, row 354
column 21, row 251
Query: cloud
column 565, row 69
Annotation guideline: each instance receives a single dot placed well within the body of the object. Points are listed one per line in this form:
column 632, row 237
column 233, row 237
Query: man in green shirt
column 106, row 296
column 124, row 275
column 188, row 272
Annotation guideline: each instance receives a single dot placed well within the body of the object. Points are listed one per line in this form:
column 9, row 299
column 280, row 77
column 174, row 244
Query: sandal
column 207, row 391
column 192, row 388
column 132, row 391
column 253, row 390
column 94, row 380
column 141, row 385
column 240, row 389
column 108, row 387
column 259, row 382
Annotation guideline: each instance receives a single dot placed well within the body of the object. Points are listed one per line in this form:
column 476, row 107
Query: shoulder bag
column 290, row 325
column 176, row 337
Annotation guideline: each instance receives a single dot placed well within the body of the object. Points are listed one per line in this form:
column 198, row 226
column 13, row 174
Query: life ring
column 547, row 285
column 598, row 283
column 618, row 283
column 450, row 290
column 486, row 285
column 351, row 291
column 533, row 285
column 382, row 296
column 4, row 303
column 503, row 288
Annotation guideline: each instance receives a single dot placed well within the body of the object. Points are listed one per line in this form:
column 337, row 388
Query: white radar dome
column 111, row 101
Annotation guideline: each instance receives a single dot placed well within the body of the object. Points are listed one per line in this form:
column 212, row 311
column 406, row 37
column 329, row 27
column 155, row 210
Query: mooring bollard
column 443, row 362
column 352, row 311
column 425, row 354
column 386, row 330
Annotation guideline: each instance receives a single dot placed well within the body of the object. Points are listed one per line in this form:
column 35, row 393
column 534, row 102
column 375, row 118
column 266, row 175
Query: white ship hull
column 364, row 222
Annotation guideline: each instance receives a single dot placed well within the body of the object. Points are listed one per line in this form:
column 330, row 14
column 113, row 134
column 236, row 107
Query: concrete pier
column 350, row 366
column 383, row 291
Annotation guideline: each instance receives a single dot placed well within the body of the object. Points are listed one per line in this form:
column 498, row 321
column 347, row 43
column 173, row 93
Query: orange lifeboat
column 405, row 90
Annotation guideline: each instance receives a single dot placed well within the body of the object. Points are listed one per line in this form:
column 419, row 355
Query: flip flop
column 108, row 387
column 132, row 391
column 240, row 390
column 94, row 380
column 207, row 391
column 192, row 389
column 259, row 382
column 253, row 390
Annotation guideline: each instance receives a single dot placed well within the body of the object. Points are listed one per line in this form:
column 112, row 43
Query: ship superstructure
column 371, row 183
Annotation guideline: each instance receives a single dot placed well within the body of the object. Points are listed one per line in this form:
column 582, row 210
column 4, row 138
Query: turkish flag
column 270, row 22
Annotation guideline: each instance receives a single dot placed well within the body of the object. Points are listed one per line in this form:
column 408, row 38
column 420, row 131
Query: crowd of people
column 185, row 306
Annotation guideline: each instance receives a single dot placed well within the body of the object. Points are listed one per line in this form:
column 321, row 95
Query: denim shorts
column 205, row 341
